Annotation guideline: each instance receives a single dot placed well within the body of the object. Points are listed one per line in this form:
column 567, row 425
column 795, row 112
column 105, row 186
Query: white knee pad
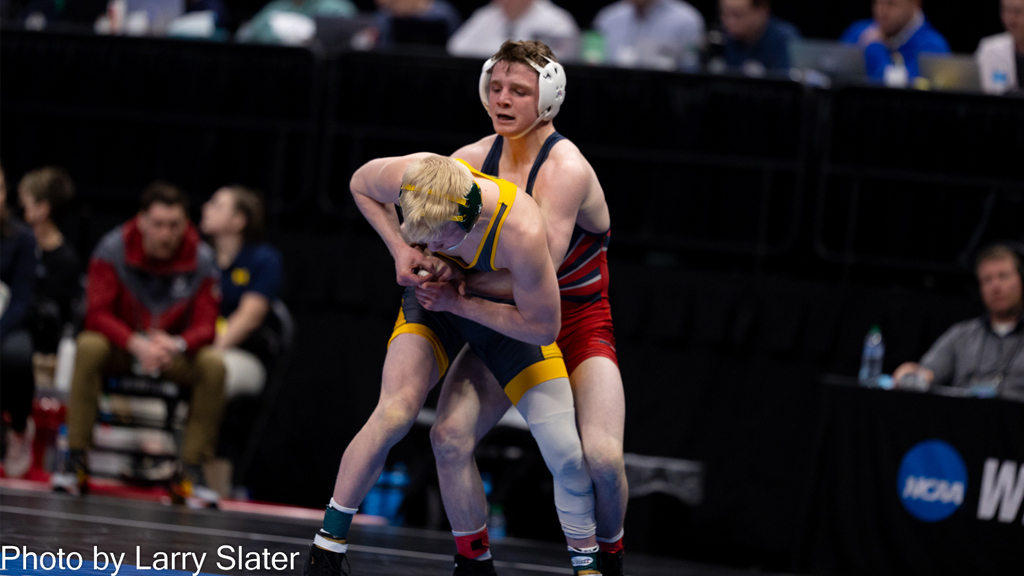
column 548, row 409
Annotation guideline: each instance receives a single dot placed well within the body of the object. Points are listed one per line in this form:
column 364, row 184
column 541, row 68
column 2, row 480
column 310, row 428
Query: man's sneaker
column 189, row 487
column 322, row 562
column 18, row 458
column 611, row 564
column 466, row 567
column 72, row 475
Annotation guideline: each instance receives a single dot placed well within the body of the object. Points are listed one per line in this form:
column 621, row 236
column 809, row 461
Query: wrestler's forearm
column 384, row 220
column 508, row 320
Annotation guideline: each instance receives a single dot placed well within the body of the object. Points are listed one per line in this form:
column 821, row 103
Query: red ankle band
column 473, row 545
column 611, row 547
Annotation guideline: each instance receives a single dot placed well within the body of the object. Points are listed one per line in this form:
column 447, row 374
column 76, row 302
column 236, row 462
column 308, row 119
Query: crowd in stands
column 663, row 34
column 159, row 303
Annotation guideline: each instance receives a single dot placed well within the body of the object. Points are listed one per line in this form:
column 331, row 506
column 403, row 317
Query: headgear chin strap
column 551, row 82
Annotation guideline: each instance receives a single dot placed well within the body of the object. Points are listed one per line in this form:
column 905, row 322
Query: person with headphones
column 458, row 218
column 522, row 87
column 984, row 355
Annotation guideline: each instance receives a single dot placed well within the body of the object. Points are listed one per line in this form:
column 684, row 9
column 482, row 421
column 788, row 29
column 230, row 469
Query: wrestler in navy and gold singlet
column 582, row 278
column 516, row 365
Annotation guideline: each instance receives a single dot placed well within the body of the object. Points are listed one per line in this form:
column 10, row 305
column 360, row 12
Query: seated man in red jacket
column 152, row 301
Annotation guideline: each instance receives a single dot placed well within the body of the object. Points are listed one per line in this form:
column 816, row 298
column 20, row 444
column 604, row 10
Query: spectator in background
column 250, row 273
column 986, row 352
column 45, row 195
column 896, row 36
column 755, row 40
column 426, row 12
column 41, row 14
column 269, row 25
column 489, row 27
column 642, row 31
column 151, row 309
column 1001, row 57
column 17, row 278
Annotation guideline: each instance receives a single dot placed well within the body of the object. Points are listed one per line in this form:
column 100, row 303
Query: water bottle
column 65, row 362
column 593, row 49
column 63, row 450
column 896, row 75
column 394, row 493
column 871, row 359
column 1001, row 80
column 496, row 523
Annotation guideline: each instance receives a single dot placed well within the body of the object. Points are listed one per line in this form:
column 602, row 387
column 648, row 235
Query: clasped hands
column 440, row 284
column 155, row 350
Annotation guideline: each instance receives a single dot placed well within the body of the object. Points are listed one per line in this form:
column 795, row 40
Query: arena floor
column 41, row 522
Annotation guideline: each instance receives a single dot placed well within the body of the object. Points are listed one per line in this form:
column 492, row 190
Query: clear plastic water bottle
column 871, row 359
column 496, row 523
column 896, row 75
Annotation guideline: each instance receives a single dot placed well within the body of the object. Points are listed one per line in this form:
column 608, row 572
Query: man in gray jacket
column 985, row 354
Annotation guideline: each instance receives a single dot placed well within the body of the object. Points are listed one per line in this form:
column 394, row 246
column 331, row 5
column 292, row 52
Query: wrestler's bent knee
column 605, row 460
column 450, row 442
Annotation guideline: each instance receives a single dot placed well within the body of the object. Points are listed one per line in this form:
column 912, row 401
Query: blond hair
column 431, row 190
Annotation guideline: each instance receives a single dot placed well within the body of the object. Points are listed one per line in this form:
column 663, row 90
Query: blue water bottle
column 871, row 359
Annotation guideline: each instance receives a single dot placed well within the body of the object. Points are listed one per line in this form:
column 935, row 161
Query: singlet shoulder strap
column 555, row 138
column 493, row 159
column 489, row 245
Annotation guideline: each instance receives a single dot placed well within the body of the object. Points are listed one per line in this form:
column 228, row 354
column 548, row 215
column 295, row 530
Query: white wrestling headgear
column 551, row 81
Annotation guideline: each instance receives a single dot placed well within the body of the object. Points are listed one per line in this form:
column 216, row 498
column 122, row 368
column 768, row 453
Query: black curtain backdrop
column 760, row 229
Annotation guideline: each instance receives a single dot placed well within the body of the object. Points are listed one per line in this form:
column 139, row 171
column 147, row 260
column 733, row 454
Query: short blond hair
column 431, row 189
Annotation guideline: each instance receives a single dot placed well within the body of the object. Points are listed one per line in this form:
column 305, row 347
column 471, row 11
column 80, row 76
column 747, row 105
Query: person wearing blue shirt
column 755, row 40
column 250, row 281
column 897, row 34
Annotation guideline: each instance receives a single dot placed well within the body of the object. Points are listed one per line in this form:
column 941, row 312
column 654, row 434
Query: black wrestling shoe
column 611, row 564
column 466, row 567
column 322, row 562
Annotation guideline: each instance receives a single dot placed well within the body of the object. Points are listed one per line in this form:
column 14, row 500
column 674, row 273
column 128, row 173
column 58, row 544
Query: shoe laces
column 336, row 563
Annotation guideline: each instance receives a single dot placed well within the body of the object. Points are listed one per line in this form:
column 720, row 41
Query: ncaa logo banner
column 932, row 481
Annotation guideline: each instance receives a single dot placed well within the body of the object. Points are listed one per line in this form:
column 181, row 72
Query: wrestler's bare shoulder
column 476, row 152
